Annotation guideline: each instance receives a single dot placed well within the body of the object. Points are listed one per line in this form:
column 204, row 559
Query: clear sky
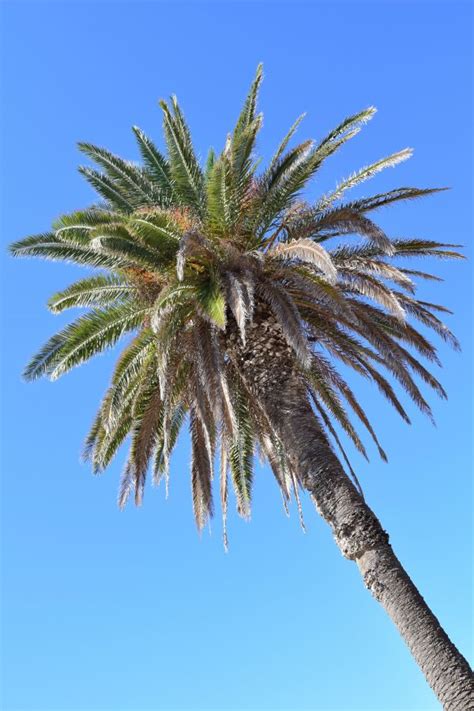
column 132, row 611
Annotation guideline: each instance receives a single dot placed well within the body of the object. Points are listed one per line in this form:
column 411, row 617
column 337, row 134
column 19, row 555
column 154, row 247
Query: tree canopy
column 188, row 253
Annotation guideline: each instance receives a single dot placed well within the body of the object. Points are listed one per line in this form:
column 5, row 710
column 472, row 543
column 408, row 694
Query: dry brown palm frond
column 201, row 470
column 309, row 252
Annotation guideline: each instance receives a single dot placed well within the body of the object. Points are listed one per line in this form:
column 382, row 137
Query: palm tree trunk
column 361, row 538
column 357, row 531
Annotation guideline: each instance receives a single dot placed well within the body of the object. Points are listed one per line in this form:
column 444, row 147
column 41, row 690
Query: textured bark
column 357, row 531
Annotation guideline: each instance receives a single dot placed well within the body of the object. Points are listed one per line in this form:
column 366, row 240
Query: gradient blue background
column 131, row 611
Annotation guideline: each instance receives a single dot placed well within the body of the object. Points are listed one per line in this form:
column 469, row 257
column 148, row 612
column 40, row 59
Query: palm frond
column 188, row 179
column 247, row 114
column 211, row 300
column 128, row 370
column 79, row 223
column 284, row 143
column 287, row 316
column 156, row 231
column 347, row 127
column 144, row 436
column 169, row 431
column 425, row 248
column 48, row 246
column 370, row 287
column 81, row 340
column 114, row 195
column 126, row 176
column 361, row 176
column 309, row 252
column 95, row 291
column 375, row 202
column 241, row 453
column 117, row 244
column 201, row 470
column 340, row 221
column 155, row 162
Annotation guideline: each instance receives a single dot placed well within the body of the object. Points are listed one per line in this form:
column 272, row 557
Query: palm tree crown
column 204, row 263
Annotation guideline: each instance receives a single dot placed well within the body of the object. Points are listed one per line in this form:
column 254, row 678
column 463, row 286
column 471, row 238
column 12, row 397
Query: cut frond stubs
column 227, row 283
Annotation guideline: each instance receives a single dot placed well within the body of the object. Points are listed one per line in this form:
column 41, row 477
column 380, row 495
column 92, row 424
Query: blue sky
column 131, row 611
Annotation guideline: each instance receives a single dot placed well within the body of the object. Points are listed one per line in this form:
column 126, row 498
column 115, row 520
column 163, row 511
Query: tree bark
column 357, row 531
column 361, row 538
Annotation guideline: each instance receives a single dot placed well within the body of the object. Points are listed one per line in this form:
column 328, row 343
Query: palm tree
column 241, row 313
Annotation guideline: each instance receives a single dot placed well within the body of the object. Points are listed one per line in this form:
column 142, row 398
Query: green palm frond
column 156, row 231
column 125, row 249
column 80, row 222
column 93, row 333
column 211, row 300
column 284, row 143
column 242, row 147
column 157, row 166
column 286, row 188
column 221, row 205
column 131, row 180
column 112, row 193
column 95, row 291
column 347, row 128
column 128, row 371
column 248, row 111
column 106, row 438
column 48, row 246
column 146, row 412
column 84, row 338
column 186, row 173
